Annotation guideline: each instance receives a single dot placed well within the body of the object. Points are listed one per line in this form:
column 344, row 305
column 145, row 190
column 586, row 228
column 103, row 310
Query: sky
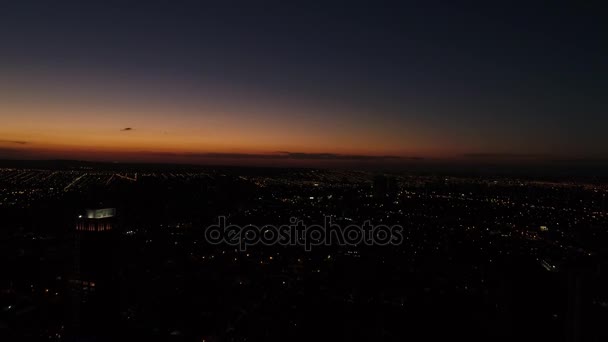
column 302, row 82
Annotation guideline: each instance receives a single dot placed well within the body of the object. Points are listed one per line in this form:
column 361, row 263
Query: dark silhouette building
column 385, row 187
column 92, row 283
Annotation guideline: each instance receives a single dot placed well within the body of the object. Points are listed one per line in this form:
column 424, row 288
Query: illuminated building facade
column 96, row 220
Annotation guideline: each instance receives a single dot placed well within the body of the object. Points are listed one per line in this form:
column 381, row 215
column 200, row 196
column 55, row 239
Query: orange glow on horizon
column 160, row 130
column 39, row 121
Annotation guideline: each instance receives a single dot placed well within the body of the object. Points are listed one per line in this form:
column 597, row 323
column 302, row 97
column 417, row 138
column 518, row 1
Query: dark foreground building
column 93, row 281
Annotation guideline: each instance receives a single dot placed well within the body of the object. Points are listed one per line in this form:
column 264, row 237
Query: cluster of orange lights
column 94, row 226
column 83, row 283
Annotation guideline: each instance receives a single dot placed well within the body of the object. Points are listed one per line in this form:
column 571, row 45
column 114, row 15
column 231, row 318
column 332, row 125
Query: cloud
column 284, row 155
column 6, row 150
column 332, row 156
column 127, row 129
column 504, row 156
column 18, row 142
column 14, row 153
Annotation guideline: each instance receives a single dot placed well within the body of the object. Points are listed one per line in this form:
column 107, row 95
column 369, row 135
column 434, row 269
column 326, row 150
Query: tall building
column 385, row 186
column 96, row 220
column 92, row 281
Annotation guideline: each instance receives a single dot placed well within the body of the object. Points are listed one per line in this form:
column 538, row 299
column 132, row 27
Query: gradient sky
column 196, row 81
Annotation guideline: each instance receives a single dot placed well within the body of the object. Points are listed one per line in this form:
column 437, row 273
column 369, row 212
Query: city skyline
column 241, row 171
